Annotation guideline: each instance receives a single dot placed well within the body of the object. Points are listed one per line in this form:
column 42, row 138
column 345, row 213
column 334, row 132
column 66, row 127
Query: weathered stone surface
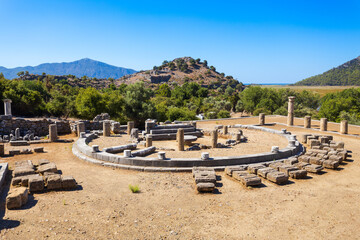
column 316, row 161
column 205, row 187
column 36, row 184
column 246, row 179
column 276, row 165
column 16, row 198
column 298, row 174
column 49, row 167
column 291, row 161
column 312, row 168
column 229, row 170
column 336, row 158
column 301, row 165
column 53, row 182
column 253, row 168
column 19, row 143
column 287, row 168
column 43, row 161
column 22, row 171
column 200, row 169
column 277, row 177
column 68, row 182
column 264, row 171
column 330, row 164
column 204, row 176
column 14, row 152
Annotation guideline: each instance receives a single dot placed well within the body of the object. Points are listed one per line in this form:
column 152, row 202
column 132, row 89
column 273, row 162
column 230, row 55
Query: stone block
column 247, row 179
column 276, row 165
column 298, row 174
column 291, row 161
column 205, row 176
column 301, row 165
column 229, row 170
column 277, row 177
column 14, row 152
column 53, row 182
column 253, row 168
column 336, row 158
column 287, row 168
column 312, row 168
column 200, row 169
column 68, row 182
column 39, row 149
column 36, row 184
column 313, row 143
column 16, row 198
column 316, row 161
column 43, row 161
column 205, row 187
column 264, row 171
column 49, row 167
column 330, row 164
column 22, row 171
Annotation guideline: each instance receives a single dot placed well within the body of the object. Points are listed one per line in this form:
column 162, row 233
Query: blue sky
column 254, row 41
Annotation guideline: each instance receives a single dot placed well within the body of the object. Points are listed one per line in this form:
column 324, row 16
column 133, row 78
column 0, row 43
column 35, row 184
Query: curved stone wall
column 84, row 151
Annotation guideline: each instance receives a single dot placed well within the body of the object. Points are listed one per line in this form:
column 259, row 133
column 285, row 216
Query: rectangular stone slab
column 330, row 164
column 68, row 182
column 253, row 168
column 264, row 171
column 205, row 177
column 250, row 180
column 312, row 168
column 276, row 165
column 22, row 171
column 53, row 182
column 36, row 184
column 277, row 177
column 49, row 167
column 229, row 170
column 287, row 168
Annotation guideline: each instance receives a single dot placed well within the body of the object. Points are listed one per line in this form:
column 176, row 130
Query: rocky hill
column 179, row 71
column 347, row 74
column 80, row 68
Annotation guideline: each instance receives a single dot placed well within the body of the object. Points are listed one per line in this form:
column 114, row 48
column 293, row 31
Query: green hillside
column 347, row 74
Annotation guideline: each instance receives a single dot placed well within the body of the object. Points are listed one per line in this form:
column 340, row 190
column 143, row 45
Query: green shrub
column 223, row 114
column 134, row 188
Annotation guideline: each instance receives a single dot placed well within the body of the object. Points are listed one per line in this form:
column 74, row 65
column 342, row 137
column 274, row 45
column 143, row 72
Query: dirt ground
column 325, row 206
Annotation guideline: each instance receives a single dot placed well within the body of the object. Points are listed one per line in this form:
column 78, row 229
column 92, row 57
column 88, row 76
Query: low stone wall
column 3, row 172
column 39, row 127
column 82, row 150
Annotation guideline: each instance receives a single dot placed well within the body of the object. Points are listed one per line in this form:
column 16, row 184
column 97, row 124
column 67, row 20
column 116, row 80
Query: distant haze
column 83, row 67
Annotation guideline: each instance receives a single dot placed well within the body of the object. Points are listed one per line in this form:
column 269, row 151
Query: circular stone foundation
column 240, row 154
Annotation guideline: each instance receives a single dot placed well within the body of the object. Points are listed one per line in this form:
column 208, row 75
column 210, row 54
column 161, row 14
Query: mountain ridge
column 347, row 74
column 79, row 68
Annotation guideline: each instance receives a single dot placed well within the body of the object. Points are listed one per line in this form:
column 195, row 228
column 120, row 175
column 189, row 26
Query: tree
column 164, row 90
column 20, row 74
column 205, row 63
column 89, row 103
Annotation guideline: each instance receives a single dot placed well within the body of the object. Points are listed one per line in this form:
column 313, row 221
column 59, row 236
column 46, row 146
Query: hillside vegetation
column 348, row 74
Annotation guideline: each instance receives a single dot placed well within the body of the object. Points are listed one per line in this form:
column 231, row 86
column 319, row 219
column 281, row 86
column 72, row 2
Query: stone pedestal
column 323, row 124
column 344, row 126
column 7, row 107
column 180, row 139
column 106, row 128
column 238, row 137
column 80, row 128
column 17, row 133
column 53, row 132
column 148, row 140
column 214, row 138
column 161, row 156
column 127, row 153
column 95, row 148
column 205, row 156
column 134, row 133
column 307, row 122
column 290, row 119
column 149, row 125
column 130, row 126
column 262, row 119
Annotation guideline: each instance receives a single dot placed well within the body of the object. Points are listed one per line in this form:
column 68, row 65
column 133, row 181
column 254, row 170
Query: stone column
column 238, row 137
column 106, row 128
column 53, row 132
column 7, row 107
column 80, row 128
column 323, row 124
column 17, row 133
column 307, row 122
column 148, row 140
column 149, row 125
column 130, row 125
column 344, row 126
column 214, row 138
column 2, row 150
column 290, row 119
column 134, row 133
column 225, row 129
column 262, row 119
column 180, row 139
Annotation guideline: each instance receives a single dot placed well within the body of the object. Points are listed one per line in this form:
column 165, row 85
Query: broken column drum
column 323, row 124
column 214, row 138
column 290, row 119
column 344, row 126
column 262, row 119
column 106, row 128
column 7, row 107
column 130, row 125
column 307, row 122
column 225, row 129
column 52, row 132
column 180, row 139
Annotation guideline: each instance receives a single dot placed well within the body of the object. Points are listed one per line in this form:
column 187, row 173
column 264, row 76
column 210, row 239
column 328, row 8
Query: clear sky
column 254, row 41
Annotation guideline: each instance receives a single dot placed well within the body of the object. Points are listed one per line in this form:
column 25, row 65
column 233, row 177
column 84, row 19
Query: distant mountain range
column 84, row 67
column 347, row 74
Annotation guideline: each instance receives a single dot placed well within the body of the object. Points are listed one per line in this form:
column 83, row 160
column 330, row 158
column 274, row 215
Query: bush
column 223, row 114
column 261, row 110
column 134, row 189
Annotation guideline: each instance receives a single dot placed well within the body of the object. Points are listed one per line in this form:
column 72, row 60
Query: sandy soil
column 324, row 206
column 252, row 146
